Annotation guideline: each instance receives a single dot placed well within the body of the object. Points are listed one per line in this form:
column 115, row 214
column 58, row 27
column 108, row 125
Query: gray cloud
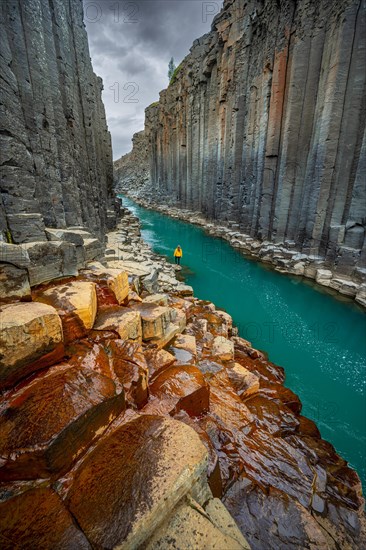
column 131, row 43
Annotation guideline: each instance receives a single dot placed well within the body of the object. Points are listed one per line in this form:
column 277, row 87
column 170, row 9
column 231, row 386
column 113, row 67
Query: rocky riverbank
column 283, row 257
column 131, row 415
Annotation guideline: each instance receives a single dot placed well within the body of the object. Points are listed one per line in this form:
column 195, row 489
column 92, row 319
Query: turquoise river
column 318, row 339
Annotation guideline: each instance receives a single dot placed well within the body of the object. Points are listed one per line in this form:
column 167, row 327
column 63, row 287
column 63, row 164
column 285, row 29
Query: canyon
column 262, row 133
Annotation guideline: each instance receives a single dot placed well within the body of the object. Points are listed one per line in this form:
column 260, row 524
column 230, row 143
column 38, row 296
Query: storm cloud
column 131, row 43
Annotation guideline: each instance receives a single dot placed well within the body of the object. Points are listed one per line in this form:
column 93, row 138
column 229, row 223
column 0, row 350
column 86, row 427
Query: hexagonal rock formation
column 37, row 518
column 75, row 302
column 126, row 322
column 180, row 388
column 30, row 339
column 145, row 468
column 47, row 424
column 111, row 284
column 14, row 284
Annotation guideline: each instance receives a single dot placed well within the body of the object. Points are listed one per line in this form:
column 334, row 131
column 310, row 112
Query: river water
column 319, row 340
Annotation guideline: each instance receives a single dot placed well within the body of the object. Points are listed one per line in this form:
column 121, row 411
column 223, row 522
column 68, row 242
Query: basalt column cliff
column 56, row 156
column 263, row 126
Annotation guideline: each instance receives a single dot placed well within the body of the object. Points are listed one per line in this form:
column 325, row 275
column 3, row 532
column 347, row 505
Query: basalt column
column 56, row 156
column 264, row 125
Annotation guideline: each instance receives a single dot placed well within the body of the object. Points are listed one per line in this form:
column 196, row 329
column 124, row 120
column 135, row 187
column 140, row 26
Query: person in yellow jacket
column 178, row 253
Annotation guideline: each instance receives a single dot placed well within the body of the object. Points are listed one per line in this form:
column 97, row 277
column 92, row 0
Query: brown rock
column 125, row 321
column 75, row 302
column 37, row 518
column 30, row 339
column 63, row 411
column 181, row 387
column 134, row 478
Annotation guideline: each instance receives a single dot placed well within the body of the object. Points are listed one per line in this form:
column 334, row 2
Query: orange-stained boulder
column 244, row 382
column 133, row 479
column 75, row 302
column 126, row 322
column 130, row 367
column 182, row 387
column 47, row 424
column 158, row 360
column 30, row 339
column 111, row 284
column 37, row 518
column 275, row 418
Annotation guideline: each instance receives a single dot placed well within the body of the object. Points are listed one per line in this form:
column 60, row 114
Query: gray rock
column 50, row 260
column 14, row 284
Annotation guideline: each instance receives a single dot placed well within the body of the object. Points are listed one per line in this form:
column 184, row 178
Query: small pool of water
column 319, row 340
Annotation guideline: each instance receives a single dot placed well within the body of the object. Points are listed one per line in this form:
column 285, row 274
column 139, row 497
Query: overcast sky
column 131, row 43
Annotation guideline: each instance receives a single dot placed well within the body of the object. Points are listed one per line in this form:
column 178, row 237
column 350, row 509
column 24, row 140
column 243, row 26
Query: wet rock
column 37, row 518
column 181, row 388
column 184, row 349
column 244, row 382
column 30, row 339
column 144, row 468
column 223, row 348
column 63, row 411
column 122, row 320
column 272, row 520
column 76, row 303
column 130, row 367
column 111, row 285
column 158, row 360
column 272, row 417
column 14, row 284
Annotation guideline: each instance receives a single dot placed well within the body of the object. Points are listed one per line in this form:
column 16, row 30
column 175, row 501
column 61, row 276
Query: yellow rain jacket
column 178, row 253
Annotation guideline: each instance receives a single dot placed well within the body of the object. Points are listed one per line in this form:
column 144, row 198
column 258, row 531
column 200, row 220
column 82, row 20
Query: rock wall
column 56, row 155
column 133, row 169
column 264, row 127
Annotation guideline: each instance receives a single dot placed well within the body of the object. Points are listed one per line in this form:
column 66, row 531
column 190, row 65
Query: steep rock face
column 133, row 169
column 264, row 125
column 56, row 156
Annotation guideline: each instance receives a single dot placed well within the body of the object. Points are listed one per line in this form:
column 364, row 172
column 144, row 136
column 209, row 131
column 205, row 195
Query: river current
column 318, row 339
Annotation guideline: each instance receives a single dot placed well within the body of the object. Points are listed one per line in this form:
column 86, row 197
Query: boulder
column 30, row 339
column 323, row 276
column 14, row 284
column 126, row 322
column 184, row 348
column 158, row 360
column 25, row 228
column 222, row 348
column 63, row 410
column 14, row 254
column 191, row 527
column 155, row 319
column 111, row 284
column 180, row 388
column 37, row 518
column 130, row 367
column 272, row 520
column 133, row 479
column 50, row 260
column 244, row 382
column 76, row 303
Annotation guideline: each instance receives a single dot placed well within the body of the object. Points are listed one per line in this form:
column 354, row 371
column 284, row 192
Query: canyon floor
column 133, row 416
